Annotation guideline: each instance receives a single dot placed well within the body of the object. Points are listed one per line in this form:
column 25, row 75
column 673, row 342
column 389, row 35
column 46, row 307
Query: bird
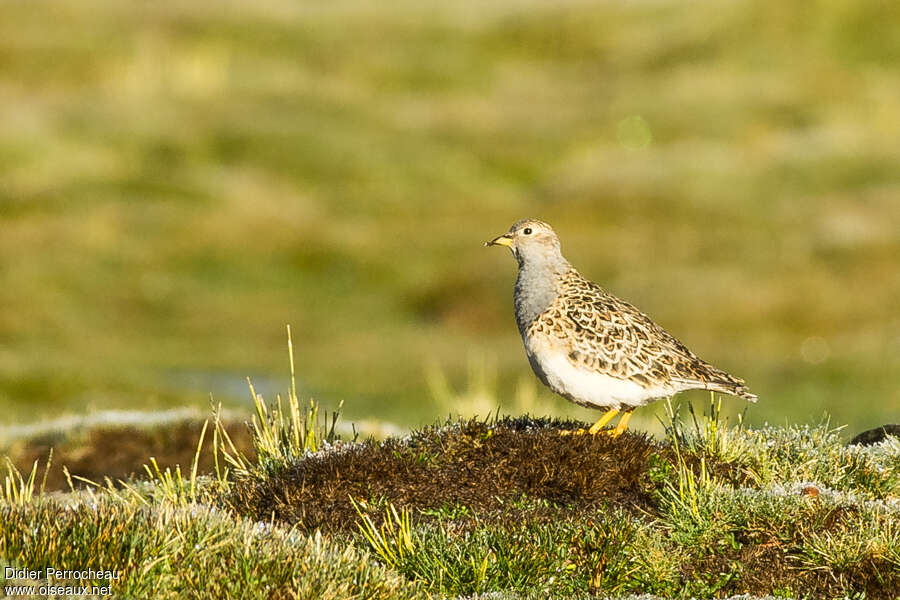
column 591, row 347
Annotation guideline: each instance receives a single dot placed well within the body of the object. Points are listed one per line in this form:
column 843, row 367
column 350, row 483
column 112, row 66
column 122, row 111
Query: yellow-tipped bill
column 501, row 240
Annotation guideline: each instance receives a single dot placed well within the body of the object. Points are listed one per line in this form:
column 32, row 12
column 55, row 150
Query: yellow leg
column 596, row 427
column 606, row 418
column 623, row 423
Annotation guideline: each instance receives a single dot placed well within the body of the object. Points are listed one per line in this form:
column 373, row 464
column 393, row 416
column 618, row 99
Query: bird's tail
column 716, row 380
column 740, row 390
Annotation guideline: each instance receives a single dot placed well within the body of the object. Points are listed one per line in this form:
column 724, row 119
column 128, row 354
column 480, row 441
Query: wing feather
column 613, row 337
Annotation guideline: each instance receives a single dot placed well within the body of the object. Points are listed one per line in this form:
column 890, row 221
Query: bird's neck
column 537, row 286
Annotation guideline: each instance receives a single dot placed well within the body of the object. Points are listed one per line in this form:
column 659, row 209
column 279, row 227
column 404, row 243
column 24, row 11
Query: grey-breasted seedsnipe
column 591, row 347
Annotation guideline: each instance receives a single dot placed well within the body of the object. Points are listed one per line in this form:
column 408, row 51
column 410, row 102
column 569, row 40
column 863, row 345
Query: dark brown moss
column 759, row 570
column 483, row 466
column 873, row 436
column 119, row 452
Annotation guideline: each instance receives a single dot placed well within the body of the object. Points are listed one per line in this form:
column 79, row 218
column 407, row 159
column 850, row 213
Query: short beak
column 502, row 240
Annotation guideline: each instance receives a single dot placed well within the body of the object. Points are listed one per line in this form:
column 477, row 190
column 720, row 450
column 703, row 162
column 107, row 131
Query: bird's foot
column 622, row 425
column 597, row 428
column 611, row 432
column 573, row 432
column 614, row 433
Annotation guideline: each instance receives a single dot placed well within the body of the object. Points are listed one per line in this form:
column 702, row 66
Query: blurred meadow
column 179, row 181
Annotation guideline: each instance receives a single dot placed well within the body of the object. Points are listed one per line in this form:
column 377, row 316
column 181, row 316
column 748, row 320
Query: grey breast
column 535, row 291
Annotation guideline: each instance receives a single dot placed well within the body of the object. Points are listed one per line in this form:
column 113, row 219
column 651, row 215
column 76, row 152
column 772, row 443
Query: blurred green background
column 179, row 180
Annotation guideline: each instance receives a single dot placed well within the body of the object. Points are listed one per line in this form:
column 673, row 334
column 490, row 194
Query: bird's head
column 530, row 240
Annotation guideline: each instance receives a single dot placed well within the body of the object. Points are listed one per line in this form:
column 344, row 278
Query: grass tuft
column 18, row 489
column 393, row 541
column 282, row 433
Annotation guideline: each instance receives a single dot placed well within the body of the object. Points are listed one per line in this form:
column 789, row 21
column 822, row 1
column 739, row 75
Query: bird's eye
column 527, row 231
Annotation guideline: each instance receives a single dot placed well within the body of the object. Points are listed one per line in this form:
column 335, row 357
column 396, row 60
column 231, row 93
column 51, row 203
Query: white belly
column 590, row 388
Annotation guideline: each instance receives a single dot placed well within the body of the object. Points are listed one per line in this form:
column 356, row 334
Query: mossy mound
column 485, row 467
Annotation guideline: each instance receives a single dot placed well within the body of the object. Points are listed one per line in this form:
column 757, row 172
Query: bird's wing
column 611, row 336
